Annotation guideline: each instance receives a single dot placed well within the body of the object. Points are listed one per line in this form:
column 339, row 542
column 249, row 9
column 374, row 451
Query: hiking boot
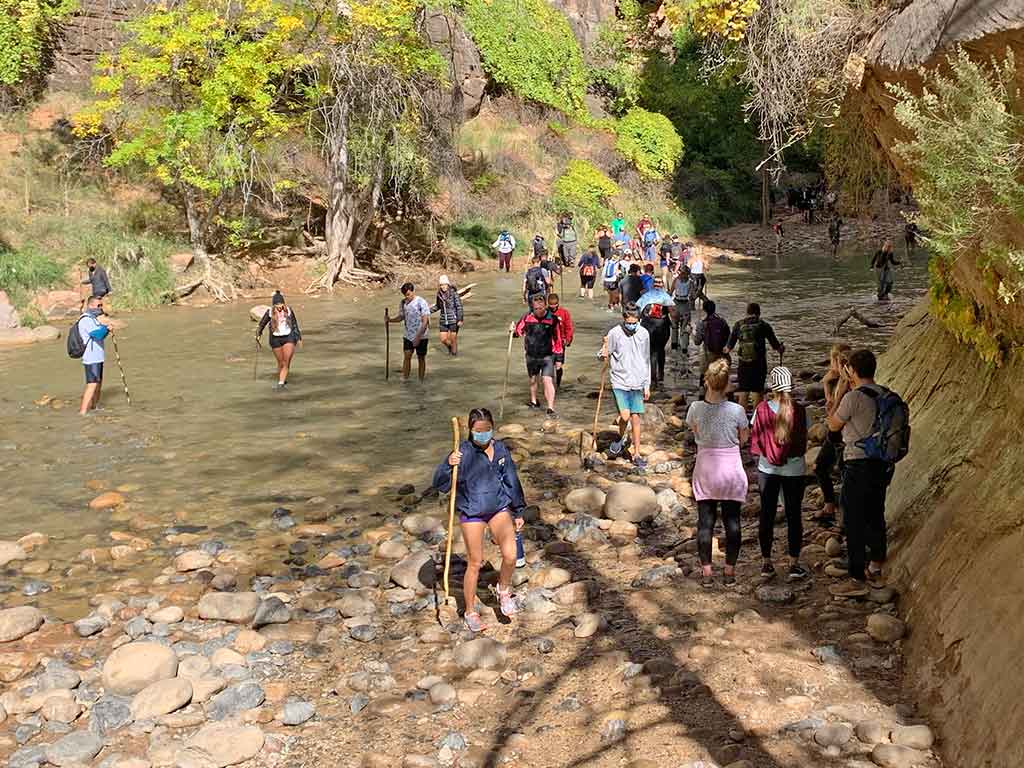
column 507, row 602
column 797, row 572
column 768, row 571
column 616, row 448
column 729, row 580
column 474, row 623
column 640, row 463
column 531, row 404
column 521, row 562
column 551, row 413
column 849, row 588
column 707, row 581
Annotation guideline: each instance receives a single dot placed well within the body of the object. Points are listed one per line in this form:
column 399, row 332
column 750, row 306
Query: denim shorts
column 631, row 400
column 93, row 373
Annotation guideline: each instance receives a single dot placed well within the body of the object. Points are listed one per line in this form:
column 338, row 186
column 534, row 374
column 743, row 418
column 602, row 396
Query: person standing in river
column 627, row 348
column 604, row 243
column 284, row 336
column 415, row 313
column 611, row 276
column 719, row 480
column 655, row 308
column 713, row 333
column 563, row 340
column 696, row 264
column 449, row 304
column 93, row 331
column 97, row 278
column 632, row 286
column 567, row 241
column 882, row 262
column 504, row 246
column 779, row 440
column 682, row 312
column 541, row 332
column 835, row 229
column 590, row 265
column 750, row 338
column 489, row 496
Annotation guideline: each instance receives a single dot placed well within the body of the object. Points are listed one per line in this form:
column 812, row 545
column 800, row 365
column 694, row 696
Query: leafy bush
column 29, row 36
column 650, row 142
column 583, row 189
column 528, row 47
column 616, row 66
column 726, row 19
column 473, row 238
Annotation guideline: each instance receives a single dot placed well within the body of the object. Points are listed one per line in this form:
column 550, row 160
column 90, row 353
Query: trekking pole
column 508, row 365
column 124, row 381
column 256, row 360
column 387, row 345
column 456, row 434
column 597, row 411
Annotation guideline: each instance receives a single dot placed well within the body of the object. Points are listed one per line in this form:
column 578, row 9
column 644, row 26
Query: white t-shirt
column 94, row 352
column 413, row 312
column 696, row 265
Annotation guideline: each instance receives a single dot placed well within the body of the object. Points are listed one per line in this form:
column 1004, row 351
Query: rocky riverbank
column 314, row 633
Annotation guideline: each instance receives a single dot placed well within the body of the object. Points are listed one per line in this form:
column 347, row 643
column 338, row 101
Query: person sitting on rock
column 489, row 495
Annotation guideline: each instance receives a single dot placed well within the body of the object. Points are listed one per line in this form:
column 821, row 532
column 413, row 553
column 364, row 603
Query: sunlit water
column 205, row 443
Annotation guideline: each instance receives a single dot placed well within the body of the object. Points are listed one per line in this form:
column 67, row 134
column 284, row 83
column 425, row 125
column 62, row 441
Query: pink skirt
column 718, row 475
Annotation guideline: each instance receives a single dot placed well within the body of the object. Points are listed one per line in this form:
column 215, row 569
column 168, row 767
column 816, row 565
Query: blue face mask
column 631, row 326
column 94, row 312
column 482, row 438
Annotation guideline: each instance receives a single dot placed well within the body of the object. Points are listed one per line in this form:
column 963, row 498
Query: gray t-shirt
column 857, row 410
column 717, row 425
column 414, row 311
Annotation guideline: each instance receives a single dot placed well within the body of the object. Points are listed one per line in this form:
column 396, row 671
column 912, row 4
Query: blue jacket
column 485, row 487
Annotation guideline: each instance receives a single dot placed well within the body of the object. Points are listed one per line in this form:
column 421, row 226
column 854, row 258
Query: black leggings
column 793, row 495
column 707, row 514
column 831, row 453
column 659, row 331
column 865, row 484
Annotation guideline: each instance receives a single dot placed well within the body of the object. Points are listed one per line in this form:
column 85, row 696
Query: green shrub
column 25, row 271
column 584, row 190
column 30, row 32
column 528, row 47
column 650, row 142
column 484, row 181
column 473, row 238
column 557, row 128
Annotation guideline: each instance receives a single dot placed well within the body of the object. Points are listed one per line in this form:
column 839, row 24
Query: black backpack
column 76, row 347
column 535, row 281
column 889, row 440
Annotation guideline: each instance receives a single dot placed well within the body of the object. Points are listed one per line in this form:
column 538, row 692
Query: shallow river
column 204, row 443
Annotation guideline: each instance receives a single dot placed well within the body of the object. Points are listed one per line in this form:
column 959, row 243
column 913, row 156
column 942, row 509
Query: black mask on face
column 92, row 268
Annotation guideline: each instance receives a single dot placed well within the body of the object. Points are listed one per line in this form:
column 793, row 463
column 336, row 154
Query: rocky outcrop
column 956, row 520
column 94, row 29
column 466, row 71
column 585, row 17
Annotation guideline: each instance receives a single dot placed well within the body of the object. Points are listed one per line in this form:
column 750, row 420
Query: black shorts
column 545, row 366
column 449, row 327
column 93, row 373
column 280, row 341
column 559, row 357
column 610, row 285
column 587, row 281
column 421, row 348
column 750, row 377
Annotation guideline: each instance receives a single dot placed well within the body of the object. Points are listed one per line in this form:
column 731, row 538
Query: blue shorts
column 631, row 400
column 93, row 373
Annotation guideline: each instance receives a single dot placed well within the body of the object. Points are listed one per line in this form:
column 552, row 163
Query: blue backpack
column 889, row 440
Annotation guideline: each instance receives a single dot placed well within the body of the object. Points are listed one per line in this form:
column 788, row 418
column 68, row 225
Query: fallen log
column 854, row 314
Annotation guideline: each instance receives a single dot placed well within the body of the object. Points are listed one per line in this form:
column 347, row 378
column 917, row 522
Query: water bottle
column 520, row 552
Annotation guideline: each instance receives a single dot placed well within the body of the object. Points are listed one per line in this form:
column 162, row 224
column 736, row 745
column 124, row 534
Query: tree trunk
column 766, row 204
column 196, row 230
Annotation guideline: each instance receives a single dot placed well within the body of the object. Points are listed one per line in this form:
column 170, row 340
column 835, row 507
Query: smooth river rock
column 589, row 500
column 236, row 607
column 10, row 551
column 134, row 666
column 631, row 502
column 896, row 756
column 161, row 698
column 481, row 653
column 220, row 744
column 415, row 571
column 885, row 628
column 15, row 623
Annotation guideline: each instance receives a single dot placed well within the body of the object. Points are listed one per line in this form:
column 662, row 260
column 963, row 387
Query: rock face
column 446, row 35
column 135, row 666
column 8, row 314
column 585, row 17
column 631, row 502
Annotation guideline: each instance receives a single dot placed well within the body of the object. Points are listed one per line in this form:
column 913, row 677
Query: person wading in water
column 542, row 335
column 284, row 335
column 627, row 348
column 489, row 495
column 449, row 305
column 655, row 308
column 882, row 263
column 415, row 312
column 564, row 340
column 750, row 338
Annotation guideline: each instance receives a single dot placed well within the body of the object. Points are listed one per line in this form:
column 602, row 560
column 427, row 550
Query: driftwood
column 853, row 313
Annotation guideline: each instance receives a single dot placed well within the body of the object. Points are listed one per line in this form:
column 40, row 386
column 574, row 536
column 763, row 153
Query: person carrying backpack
column 750, row 338
column 539, row 246
column 541, row 332
column 589, row 266
column 504, row 245
column 537, row 281
column 449, row 304
column 85, row 340
column 713, row 333
column 655, row 308
column 610, row 275
column 875, row 423
column 567, row 241
column 682, row 296
column 650, row 243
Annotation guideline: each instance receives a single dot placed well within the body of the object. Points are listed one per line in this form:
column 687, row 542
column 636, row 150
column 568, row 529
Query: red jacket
column 565, row 325
column 541, row 337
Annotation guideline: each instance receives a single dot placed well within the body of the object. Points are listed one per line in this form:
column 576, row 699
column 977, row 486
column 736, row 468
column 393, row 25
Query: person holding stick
column 449, row 305
column 284, row 335
column 488, row 496
column 627, row 348
column 93, row 331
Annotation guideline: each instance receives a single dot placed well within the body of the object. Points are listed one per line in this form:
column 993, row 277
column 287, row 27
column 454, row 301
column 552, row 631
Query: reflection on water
column 204, row 442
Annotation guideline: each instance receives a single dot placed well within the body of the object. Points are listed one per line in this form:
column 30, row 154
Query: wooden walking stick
column 597, row 411
column 124, row 382
column 508, row 365
column 456, row 435
column 387, row 345
column 256, row 360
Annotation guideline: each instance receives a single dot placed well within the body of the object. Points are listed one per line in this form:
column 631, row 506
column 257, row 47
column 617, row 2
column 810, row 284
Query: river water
column 203, row 443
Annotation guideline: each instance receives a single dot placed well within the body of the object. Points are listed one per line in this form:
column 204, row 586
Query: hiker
column 779, row 440
column 713, row 333
column 650, row 242
column 611, row 274
column 541, row 332
column 632, row 286
column 567, row 240
column 835, row 227
column 872, row 445
column 836, row 386
column 696, row 263
column 910, row 233
column 488, row 496
column 779, row 234
column 284, row 335
column 539, row 246
column 563, row 340
column 93, row 330
column 682, row 297
column 642, row 226
column 719, row 480
column 627, row 348
column 750, row 337
column 504, row 245
column 655, row 308
column 882, row 263
column 415, row 312
column 590, row 265
column 449, row 304
column 537, row 280
column 618, row 223
column 97, row 279
column 665, row 257
column 604, row 243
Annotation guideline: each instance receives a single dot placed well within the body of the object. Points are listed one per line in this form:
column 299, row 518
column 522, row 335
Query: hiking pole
column 387, row 345
column 508, row 365
column 124, row 381
column 456, row 434
column 597, row 411
column 256, row 359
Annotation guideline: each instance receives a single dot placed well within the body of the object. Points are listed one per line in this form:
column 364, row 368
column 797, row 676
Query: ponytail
column 784, row 419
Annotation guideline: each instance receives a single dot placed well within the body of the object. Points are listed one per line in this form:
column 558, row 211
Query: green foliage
column 583, row 189
column 528, row 47
column 473, row 237
column 616, row 65
column 726, row 19
column 557, row 128
column 484, row 181
column 29, row 35
column 25, row 271
column 650, row 142
column 967, row 156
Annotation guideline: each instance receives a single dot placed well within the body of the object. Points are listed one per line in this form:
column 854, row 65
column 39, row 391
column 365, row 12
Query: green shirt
column 618, row 225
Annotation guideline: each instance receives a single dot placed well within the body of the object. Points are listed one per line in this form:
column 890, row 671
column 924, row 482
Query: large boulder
column 481, row 653
column 589, row 500
column 59, row 304
column 135, row 666
column 631, row 502
column 9, row 551
column 236, row 607
column 256, row 313
column 15, row 623
column 416, row 571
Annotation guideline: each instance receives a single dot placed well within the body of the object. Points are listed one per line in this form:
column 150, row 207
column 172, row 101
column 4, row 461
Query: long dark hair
column 479, row 414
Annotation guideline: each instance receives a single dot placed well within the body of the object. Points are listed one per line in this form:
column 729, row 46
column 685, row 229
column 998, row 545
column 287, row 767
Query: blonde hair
column 840, row 353
column 717, row 376
column 785, row 418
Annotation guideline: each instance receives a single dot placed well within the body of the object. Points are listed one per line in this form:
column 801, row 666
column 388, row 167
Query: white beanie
column 780, row 379
column 443, row 280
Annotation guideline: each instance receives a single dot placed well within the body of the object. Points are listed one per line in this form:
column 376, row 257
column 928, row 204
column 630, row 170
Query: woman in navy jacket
column 489, row 495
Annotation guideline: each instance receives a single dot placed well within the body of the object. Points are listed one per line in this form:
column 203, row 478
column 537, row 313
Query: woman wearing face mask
column 489, row 495
column 284, row 335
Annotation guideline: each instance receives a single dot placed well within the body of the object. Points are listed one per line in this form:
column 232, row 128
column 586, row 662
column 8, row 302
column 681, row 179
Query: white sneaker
column 521, row 562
